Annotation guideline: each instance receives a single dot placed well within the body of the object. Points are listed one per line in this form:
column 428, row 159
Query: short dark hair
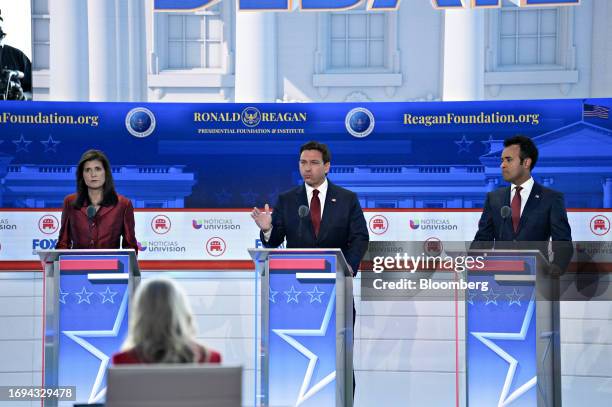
column 527, row 148
column 109, row 195
column 315, row 145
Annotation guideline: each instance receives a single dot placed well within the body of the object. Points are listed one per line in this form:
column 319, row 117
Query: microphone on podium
column 505, row 213
column 303, row 211
column 91, row 212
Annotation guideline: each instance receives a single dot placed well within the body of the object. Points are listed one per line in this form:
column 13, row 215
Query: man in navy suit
column 525, row 211
column 317, row 213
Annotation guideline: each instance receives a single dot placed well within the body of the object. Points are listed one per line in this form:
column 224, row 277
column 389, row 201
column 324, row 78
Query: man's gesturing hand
column 262, row 219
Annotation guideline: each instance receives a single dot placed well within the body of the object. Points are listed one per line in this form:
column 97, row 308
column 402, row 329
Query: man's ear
column 526, row 163
column 327, row 165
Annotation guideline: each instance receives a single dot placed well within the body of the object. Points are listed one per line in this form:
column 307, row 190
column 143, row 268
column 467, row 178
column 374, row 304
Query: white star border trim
column 96, row 393
column 485, row 337
column 286, row 334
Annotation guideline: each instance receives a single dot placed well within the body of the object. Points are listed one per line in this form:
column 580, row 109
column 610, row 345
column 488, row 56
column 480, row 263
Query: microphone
column 303, row 211
column 505, row 213
column 91, row 212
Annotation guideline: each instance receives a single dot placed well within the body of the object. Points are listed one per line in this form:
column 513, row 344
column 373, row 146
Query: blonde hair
column 161, row 327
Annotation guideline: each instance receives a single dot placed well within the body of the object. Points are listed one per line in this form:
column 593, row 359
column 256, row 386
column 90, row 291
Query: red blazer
column 131, row 357
column 109, row 224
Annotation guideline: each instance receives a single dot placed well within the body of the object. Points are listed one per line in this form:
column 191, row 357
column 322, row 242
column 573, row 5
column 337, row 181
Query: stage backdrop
column 423, row 169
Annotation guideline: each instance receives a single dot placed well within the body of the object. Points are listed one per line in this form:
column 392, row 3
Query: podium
column 304, row 328
column 512, row 332
column 86, row 298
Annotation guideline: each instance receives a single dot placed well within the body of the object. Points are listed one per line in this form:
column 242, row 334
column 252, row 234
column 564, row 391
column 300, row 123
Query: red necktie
column 315, row 211
column 516, row 208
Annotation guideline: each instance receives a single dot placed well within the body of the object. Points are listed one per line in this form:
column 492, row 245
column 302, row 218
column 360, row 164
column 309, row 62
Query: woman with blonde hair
column 161, row 328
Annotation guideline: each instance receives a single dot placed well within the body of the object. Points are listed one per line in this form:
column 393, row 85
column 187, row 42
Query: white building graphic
column 122, row 50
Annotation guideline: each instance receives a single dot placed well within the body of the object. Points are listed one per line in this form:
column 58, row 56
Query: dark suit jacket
column 109, row 224
column 13, row 58
column 544, row 217
column 343, row 225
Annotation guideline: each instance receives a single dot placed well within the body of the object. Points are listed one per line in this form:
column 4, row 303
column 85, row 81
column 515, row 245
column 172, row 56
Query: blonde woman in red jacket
column 162, row 329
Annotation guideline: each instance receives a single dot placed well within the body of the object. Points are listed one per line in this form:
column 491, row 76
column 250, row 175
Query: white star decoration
column 514, row 297
column 273, row 295
column 315, row 295
column 485, row 338
column 97, row 393
column 108, row 295
column 491, row 297
column 292, row 295
column 84, row 295
column 287, row 335
column 62, row 296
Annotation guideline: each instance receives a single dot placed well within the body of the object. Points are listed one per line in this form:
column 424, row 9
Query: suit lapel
column 329, row 208
column 104, row 210
column 302, row 199
column 535, row 197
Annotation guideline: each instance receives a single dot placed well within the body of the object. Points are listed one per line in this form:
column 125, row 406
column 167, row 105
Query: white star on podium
column 96, row 393
column 84, row 295
column 315, row 295
column 485, row 338
column 491, row 297
column 287, row 335
column 514, row 297
column 108, row 295
column 292, row 295
column 62, row 296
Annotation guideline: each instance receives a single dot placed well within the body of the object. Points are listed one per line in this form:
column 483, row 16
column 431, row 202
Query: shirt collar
column 321, row 188
column 526, row 186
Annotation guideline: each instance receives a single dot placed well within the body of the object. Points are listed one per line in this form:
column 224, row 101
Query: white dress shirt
column 525, row 192
column 322, row 194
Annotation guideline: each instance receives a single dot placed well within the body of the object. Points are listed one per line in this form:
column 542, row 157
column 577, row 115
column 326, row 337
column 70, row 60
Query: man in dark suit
column 525, row 211
column 317, row 213
column 12, row 59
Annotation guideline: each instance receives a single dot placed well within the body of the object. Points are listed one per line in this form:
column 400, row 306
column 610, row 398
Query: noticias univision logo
column 214, row 224
column 432, row 224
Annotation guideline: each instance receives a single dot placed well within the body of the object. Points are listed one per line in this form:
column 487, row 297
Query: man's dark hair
column 109, row 195
column 315, row 145
column 528, row 148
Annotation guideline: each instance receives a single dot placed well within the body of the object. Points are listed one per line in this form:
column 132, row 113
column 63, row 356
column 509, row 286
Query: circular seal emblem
column 251, row 116
column 378, row 225
column 600, row 225
column 359, row 122
column 215, row 246
column 161, row 224
column 48, row 224
column 140, row 122
column 433, row 246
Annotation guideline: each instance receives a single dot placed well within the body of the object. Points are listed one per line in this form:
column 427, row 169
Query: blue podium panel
column 93, row 318
column 302, row 331
column 501, row 338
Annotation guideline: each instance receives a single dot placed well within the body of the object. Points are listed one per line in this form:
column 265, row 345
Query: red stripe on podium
column 503, row 265
column 297, row 264
column 93, row 265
